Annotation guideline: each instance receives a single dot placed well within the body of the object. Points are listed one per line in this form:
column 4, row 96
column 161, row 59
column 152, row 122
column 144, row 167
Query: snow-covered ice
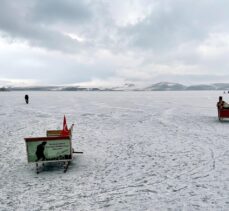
column 142, row 151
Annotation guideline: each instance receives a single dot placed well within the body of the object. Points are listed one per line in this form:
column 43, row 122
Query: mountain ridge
column 161, row 86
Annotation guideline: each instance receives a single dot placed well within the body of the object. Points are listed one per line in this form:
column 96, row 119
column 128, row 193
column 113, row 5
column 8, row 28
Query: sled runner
column 55, row 147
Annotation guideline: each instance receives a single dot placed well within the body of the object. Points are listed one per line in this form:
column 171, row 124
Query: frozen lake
column 142, row 151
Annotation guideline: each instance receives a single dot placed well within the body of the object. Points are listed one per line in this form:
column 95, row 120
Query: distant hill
column 201, row 87
column 166, row 86
column 3, row 89
column 221, row 86
column 162, row 86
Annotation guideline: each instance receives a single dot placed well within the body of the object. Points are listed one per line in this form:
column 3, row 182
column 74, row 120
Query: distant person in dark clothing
column 40, row 151
column 222, row 104
column 27, row 99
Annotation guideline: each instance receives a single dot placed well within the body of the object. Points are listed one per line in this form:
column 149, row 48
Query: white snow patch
column 142, row 151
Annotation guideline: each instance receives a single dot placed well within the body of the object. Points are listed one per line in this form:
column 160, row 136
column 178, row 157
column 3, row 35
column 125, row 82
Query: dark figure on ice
column 27, row 99
column 40, row 151
column 222, row 104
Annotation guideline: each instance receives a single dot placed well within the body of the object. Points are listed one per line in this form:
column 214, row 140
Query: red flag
column 65, row 131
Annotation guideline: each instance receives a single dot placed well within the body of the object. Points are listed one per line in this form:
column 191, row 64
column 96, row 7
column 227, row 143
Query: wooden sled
column 55, row 147
column 223, row 113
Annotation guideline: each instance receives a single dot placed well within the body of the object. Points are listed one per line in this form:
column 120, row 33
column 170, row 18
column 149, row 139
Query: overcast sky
column 104, row 42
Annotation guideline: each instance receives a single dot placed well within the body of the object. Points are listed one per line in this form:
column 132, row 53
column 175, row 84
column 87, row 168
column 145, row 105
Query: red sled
column 223, row 113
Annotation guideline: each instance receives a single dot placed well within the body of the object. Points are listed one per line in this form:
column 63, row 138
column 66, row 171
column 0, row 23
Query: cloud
column 58, row 11
column 4, row 82
column 133, row 40
column 30, row 24
column 172, row 23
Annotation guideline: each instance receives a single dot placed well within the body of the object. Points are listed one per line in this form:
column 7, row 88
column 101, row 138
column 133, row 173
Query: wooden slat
column 46, row 138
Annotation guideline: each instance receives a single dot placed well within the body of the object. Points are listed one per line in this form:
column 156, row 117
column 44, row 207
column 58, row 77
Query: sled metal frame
column 65, row 164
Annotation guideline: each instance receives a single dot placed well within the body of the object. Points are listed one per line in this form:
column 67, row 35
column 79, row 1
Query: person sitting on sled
column 222, row 104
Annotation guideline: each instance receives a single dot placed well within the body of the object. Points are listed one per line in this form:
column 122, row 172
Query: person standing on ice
column 27, row 99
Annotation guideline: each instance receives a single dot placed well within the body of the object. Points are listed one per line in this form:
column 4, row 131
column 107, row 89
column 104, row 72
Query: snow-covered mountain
column 166, row 86
column 162, row 86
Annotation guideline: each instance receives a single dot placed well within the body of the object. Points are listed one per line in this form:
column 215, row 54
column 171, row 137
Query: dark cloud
column 186, row 37
column 173, row 23
column 170, row 24
column 67, row 11
column 17, row 23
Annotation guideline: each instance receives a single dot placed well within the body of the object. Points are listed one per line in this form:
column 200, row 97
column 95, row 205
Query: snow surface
column 142, row 151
